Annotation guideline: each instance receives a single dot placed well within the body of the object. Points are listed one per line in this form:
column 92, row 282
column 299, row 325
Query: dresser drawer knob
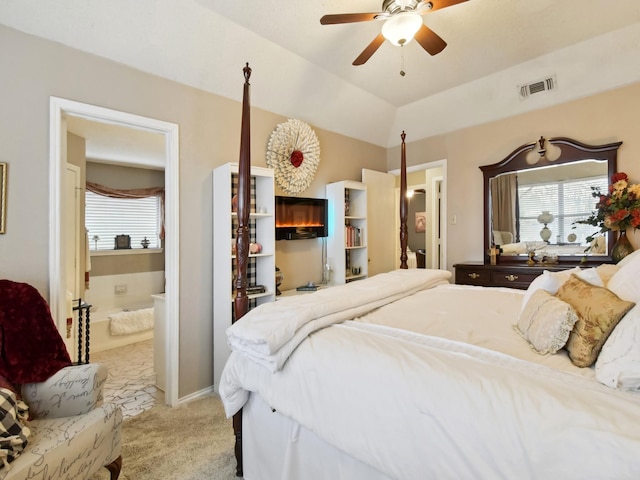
column 511, row 278
column 474, row 275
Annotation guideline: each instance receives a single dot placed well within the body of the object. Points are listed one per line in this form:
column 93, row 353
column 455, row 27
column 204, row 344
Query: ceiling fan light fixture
column 401, row 28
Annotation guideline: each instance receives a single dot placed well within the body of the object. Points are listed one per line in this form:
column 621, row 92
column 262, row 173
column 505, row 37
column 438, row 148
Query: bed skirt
column 275, row 446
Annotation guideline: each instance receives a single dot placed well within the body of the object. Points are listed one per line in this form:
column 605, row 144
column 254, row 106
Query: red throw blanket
column 31, row 348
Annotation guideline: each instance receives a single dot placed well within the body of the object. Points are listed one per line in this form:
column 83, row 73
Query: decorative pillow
column 618, row 364
column 551, row 281
column 626, row 281
column 606, row 271
column 632, row 257
column 599, row 311
column 13, row 432
column 546, row 322
column 5, row 383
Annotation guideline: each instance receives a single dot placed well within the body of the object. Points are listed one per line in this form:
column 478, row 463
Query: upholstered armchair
column 69, row 433
column 73, row 435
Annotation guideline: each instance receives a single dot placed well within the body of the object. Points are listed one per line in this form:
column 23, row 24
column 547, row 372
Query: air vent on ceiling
column 544, row 85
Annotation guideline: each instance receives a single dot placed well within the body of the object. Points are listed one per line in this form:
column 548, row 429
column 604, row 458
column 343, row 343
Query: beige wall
column 35, row 69
column 608, row 117
column 122, row 177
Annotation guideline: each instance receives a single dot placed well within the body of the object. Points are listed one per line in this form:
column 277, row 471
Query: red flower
column 619, row 209
column 618, row 216
column 296, row 158
column 616, row 177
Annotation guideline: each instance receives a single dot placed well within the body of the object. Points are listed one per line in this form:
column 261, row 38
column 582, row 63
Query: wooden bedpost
column 403, row 204
column 241, row 301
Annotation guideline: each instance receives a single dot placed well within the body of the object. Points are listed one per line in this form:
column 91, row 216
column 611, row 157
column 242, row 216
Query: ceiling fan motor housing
column 394, row 6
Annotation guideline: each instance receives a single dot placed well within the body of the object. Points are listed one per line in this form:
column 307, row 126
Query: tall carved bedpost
column 241, row 301
column 403, row 204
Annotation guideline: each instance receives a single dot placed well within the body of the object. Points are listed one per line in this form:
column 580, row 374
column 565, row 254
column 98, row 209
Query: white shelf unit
column 347, row 242
column 261, row 267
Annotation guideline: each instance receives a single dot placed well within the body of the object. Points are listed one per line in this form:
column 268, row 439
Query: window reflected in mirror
column 542, row 204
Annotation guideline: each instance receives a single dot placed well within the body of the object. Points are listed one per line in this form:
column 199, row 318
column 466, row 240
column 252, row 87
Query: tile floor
column 131, row 380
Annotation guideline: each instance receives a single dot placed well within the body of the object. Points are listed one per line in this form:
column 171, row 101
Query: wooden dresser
column 513, row 276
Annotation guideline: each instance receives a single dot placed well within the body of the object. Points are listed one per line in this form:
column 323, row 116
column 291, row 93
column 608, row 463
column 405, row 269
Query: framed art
column 421, row 222
column 3, row 196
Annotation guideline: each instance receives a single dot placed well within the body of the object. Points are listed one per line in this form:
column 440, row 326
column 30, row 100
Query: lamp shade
column 545, row 217
column 401, row 28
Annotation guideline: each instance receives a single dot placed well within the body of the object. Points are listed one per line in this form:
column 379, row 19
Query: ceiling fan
column 402, row 23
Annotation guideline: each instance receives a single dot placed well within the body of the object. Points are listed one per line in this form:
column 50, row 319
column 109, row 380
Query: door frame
column 437, row 258
column 74, row 263
column 443, row 203
column 61, row 108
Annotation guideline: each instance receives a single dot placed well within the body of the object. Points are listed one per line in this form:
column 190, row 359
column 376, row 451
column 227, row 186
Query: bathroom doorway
column 61, row 110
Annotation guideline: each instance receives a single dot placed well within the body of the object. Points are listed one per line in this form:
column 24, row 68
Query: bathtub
column 100, row 332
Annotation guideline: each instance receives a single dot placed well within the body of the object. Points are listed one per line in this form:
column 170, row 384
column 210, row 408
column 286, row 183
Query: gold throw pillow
column 599, row 311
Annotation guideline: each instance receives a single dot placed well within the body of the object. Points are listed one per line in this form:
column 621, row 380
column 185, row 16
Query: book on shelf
column 352, row 235
column 255, row 289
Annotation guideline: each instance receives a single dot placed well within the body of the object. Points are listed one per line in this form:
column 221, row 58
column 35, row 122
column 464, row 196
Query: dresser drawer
column 512, row 279
column 472, row 276
column 501, row 275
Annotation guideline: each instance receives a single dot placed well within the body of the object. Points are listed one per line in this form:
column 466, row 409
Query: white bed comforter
column 271, row 332
column 415, row 406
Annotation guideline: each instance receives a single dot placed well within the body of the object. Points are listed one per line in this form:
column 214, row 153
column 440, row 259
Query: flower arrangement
column 619, row 209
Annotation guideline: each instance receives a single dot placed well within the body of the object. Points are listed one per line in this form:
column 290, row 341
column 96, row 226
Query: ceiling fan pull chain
column 402, row 73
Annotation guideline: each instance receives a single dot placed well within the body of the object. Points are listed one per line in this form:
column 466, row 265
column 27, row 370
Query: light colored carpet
column 193, row 441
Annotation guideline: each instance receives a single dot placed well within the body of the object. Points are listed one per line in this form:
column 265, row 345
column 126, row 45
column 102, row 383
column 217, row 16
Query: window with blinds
column 107, row 217
column 568, row 201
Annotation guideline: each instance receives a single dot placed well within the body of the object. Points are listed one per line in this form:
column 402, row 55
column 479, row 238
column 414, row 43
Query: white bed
column 437, row 384
column 403, row 376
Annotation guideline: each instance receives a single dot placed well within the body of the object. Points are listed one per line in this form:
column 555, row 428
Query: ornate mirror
column 533, row 197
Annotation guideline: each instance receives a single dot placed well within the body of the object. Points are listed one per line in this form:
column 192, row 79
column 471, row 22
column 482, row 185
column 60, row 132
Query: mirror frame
column 571, row 151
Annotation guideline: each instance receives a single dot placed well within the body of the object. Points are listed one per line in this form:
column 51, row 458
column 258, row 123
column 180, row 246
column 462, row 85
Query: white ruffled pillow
column 546, row 322
column 618, row 365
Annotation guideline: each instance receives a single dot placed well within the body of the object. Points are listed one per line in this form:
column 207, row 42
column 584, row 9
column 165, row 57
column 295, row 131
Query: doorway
column 60, row 110
column 432, row 177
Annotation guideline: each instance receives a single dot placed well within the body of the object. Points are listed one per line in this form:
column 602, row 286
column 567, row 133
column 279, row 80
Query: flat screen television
column 298, row 218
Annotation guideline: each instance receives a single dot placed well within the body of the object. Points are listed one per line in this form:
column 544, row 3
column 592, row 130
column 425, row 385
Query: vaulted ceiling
column 302, row 69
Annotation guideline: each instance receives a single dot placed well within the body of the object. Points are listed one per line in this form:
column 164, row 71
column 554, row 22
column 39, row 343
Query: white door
column 71, row 233
column 381, row 236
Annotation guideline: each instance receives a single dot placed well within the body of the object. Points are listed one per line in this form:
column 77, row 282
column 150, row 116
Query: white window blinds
column 568, row 201
column 107, row 217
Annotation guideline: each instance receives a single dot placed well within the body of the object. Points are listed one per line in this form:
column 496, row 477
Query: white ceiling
column 303, row 70
column 115, row 144
column 483, row 37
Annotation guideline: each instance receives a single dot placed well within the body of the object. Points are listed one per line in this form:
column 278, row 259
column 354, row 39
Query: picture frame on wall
column 3, row 196
column 421, row 222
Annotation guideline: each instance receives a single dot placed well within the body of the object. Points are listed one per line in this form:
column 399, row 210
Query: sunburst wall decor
column 293, row 152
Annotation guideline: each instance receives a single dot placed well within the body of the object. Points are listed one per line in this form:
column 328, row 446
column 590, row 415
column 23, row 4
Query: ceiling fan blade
column 348, row 18
column 429, row 40
column 438, row 4
column 370, row 50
